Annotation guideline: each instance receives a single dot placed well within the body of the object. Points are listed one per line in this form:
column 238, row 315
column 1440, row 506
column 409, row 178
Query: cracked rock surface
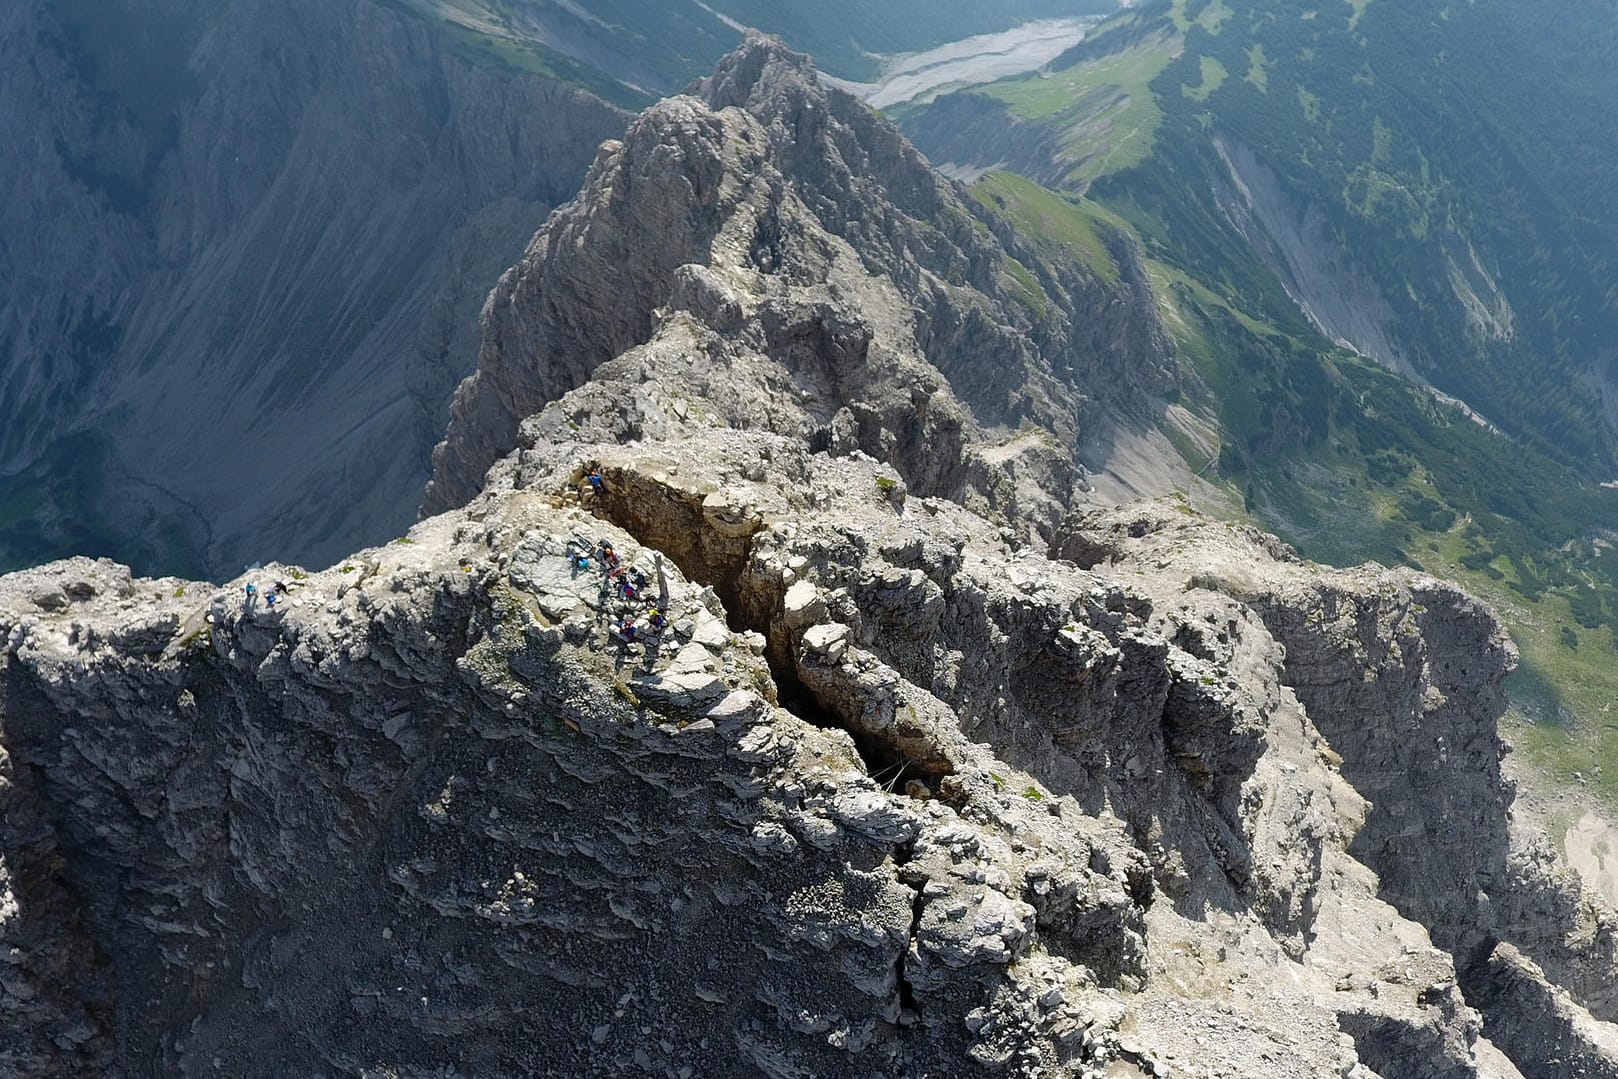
column 930, row 770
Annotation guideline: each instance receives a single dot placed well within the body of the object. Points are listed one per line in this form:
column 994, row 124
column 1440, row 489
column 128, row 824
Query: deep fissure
column 884, row 761
column 633, row 502
column 907, row 992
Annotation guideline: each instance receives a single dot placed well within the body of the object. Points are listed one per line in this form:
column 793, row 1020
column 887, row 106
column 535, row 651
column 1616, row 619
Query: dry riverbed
column 970, row 61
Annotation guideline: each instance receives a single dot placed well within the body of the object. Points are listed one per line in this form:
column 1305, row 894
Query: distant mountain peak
column 749, row 74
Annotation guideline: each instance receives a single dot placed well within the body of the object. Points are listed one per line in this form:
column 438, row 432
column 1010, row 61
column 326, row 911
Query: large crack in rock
column 713, row 536
column 1041, row 802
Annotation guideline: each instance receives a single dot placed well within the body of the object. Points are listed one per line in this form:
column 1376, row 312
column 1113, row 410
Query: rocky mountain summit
column 933, row 768
column 778, row 247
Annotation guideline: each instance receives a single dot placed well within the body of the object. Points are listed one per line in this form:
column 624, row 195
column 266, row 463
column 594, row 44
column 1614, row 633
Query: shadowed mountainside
column 246, row 244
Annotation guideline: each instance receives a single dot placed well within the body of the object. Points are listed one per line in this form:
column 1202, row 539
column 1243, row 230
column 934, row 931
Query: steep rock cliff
column 776, row 184
column 242, row 284
column 929, row 771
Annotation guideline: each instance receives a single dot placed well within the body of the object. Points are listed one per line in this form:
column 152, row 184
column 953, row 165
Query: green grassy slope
column 1447, row 184
column 1452, row 189
column 1475, row 203
column 1097, row 100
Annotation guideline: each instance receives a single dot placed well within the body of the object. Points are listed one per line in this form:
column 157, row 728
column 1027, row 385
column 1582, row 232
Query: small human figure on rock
column 609, row 557
column 656, row 620
column 594, row 479
column 626, row 631
column 269, row 600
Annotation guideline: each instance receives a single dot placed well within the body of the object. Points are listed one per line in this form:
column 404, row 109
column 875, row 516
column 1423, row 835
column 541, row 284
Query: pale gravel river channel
column 971, row 61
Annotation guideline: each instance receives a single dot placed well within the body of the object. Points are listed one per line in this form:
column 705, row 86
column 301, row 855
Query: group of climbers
column 271, row 597
column 636, row 615
column 624, row 588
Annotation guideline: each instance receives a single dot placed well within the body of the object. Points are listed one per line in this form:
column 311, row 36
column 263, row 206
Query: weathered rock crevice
column 712, row 539
column 1547, row 1034
column 1397, row 1049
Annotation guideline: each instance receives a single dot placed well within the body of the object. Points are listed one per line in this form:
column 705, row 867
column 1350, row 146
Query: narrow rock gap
column 672, row 522
column 891, row 769
column 795, row 697
column 907, row 992
column 884, row 762
column 1399, row 1049
column 1522, row 1017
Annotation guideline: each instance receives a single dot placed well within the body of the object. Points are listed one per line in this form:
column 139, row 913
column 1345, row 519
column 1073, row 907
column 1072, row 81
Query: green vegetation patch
column 1102, row 110
column 1210, row 15
column 1256, row 73
column 484, row 35
column 1213, row 77
column 1022, row 285
column 1310, row 104
column 1061, row 225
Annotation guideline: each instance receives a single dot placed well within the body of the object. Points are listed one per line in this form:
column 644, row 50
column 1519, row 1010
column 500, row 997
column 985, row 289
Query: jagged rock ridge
column 790, row 221
column 935, row 772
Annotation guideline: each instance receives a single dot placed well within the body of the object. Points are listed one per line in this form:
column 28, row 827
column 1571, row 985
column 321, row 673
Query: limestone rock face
column 764, row 216
column 935, row 804
column 898, row 762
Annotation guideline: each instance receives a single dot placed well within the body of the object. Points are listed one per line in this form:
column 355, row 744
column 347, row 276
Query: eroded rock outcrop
column 789, row 221
column 918, row 777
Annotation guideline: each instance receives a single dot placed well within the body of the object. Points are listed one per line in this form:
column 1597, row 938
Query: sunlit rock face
column 921, row 766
